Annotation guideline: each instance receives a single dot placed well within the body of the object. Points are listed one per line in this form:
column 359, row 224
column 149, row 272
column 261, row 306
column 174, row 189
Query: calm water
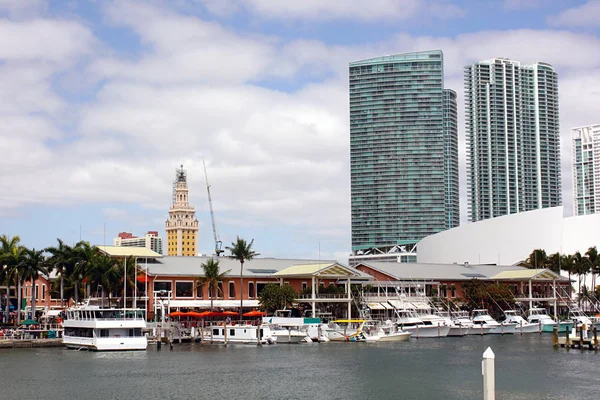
column 527, row 367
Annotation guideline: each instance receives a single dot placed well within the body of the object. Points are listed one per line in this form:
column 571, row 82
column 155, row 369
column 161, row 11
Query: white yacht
column 408, row 321
column 455, row 330
column 239, row 334
column 482, row 317
column 461, row 318
column 346, row 330
column 539, row 316
column 104, row 329
column 523, row 326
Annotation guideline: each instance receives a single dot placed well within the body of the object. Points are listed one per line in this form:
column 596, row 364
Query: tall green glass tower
column 403, row 151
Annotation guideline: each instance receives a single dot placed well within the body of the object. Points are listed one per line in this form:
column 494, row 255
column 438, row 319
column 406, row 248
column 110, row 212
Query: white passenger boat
column 408, row 321
column 241, row 334
column 482, row 317
column 540, row 316
column 104, row 329
column 462, row 319
column 522, row 325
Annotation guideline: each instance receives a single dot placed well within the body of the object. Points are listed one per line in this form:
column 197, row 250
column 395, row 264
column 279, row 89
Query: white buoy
column 487, row 370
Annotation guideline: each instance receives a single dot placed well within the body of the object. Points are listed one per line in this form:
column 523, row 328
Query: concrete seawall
column 28, row 343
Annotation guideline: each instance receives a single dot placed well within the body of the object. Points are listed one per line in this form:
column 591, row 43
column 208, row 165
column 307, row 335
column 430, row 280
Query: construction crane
column 218, row 243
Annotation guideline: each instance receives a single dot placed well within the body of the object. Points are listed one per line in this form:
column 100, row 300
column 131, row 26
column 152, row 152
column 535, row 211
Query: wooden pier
column 582, row 339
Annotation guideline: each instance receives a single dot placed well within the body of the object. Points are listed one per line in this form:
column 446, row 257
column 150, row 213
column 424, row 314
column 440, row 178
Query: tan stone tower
column 182, row 225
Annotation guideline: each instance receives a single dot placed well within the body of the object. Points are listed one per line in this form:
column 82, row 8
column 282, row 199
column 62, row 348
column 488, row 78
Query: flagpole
column 147, row 298
column 125, row 288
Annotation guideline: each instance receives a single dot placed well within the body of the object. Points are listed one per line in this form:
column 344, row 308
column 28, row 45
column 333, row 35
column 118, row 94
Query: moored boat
column 523, row 326
column 408, row 321
column 104, row 329
column 241, row 334
column 461, row 318
column 375, row 331
column 482, row 317
column 541, row 317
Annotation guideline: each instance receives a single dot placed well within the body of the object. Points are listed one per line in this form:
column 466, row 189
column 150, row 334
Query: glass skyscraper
column 586, row 169
column 403, row 150
column 513, row 138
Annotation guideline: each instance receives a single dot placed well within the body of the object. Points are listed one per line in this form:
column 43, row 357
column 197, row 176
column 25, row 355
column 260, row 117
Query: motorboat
column 314, row 327
column 290, row 334
column 407, row 320
column 482, row 317
column 375, row 331
column 539, row 316
column 346, row 330
column 512, row 316
column 462, row 319
column 239, row 334
column 104, row 329
column 455, row 330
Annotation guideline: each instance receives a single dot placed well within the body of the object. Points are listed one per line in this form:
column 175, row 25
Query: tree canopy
column 275, row 297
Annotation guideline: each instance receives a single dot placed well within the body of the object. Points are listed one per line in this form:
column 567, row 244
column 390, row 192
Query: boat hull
column 106, row 344
column 528, row 328
column 562, row 327
column 396, row 337
column 292, row 337
column 428, row 331
column 458, row 331
column 478, row 330
column 503, row 329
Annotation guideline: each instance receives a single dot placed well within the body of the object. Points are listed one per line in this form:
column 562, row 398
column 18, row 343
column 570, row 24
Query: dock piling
column 488, row 372
column 555, row 336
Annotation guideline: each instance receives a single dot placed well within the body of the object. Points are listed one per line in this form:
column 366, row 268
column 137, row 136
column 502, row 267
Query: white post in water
column 487, row 370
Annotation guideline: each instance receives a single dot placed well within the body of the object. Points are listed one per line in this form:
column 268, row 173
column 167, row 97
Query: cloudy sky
column 102, row 100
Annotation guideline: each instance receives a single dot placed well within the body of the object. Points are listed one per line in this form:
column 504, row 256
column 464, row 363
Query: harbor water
column 527, row 367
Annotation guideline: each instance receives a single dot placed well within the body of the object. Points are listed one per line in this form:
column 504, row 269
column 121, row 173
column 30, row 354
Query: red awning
column 254, row 314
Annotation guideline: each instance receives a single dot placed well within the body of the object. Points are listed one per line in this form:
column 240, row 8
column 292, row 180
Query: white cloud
column 196, row 90
column 317, row 10
column 585, row 15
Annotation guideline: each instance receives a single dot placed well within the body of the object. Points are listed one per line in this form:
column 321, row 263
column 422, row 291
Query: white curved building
column 509, row 239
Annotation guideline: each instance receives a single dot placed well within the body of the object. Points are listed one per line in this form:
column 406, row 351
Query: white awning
column 387, row 306
column 376, row 306
column 206, row 303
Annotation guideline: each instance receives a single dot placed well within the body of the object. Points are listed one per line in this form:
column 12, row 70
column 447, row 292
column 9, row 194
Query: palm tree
column 60, row 258
column 212, row 277
column 594, row 262
column 537, row 259
column 554, row 262
column 101, row 272
column 567, row 264
column 580, row 267
column 33, row 265
column 11, row 256
column 83, row 254
column 242, row 251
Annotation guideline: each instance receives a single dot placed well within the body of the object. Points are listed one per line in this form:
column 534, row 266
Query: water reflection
column 527, row 367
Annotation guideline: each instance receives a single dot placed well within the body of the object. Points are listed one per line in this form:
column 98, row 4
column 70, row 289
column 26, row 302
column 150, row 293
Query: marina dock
column 577, row 339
